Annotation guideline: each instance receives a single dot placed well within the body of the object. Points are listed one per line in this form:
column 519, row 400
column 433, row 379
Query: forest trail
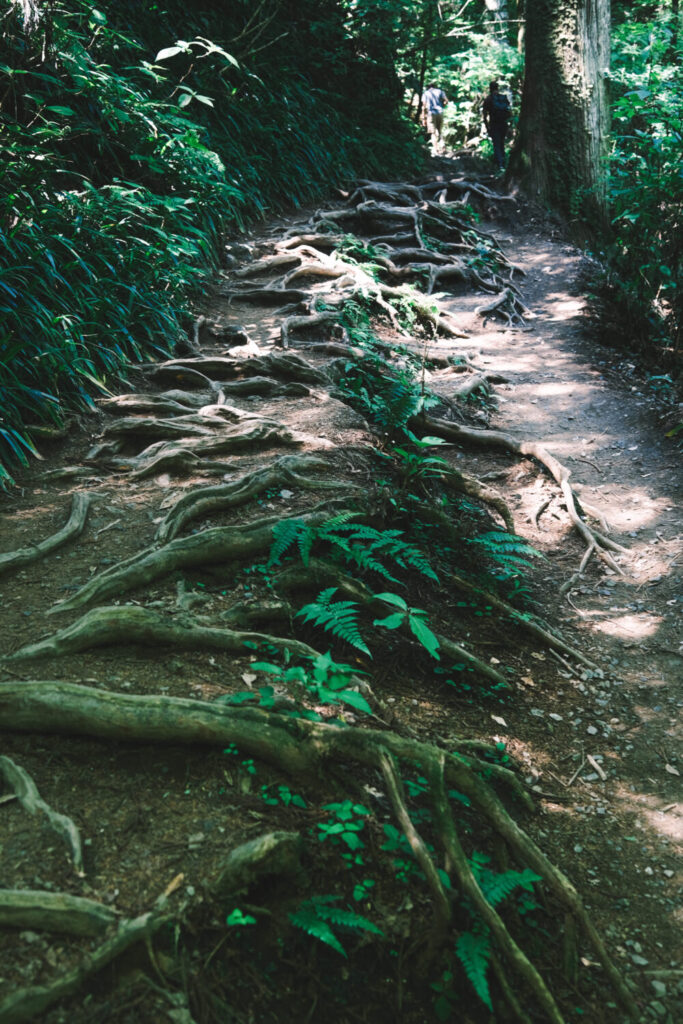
column 599, row 746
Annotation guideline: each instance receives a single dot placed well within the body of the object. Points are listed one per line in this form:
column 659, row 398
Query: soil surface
column 600, row 749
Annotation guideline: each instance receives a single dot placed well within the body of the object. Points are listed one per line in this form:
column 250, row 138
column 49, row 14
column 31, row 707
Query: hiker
column 433, row 102
column 496, row 116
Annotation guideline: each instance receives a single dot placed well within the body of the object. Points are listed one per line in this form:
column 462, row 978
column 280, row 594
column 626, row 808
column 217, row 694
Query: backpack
column 500, row 107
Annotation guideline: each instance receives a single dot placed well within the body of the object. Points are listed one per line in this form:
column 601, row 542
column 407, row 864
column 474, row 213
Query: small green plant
column 403, row 862
column 317, row 915
column 346, row 822
column 327, row 682
column 247, row 765
column 237, row 919
column 415, row 617
column 473, row 948
column 276, row 794
column 337, row 617
column 416, row 464
column 361, row 890
column 510, row 554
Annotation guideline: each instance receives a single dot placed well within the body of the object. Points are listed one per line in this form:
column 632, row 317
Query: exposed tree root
column 460, row 866
column 21, row 783
column 53, row 912
column 508, row 305
column 442, row 904
column 275, row 854
column 560, row 474
column 302, row 746
column 463, row 483
column 265, row 296
column 29, row 1002
column 128, row 624
column 202, row 423
column 282, row 365
column 211, row 547
column 263, row 434
column 290, row 470
column 73, row 528
column 181, row 403
column 305, row 323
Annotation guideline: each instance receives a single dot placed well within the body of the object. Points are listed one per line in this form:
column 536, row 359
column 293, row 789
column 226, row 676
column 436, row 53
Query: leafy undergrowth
column 416, row 604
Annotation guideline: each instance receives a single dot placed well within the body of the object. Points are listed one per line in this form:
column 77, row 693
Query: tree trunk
column 560, row 152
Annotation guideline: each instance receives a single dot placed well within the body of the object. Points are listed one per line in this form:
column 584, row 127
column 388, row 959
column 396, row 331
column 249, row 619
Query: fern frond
column 338, row 521
column 306, row 918
column 285, row 533
column 315, row 917
column 338, row 618
column 497, row 887
column 342, row 918
column 500, row 544
column 474, row 951
column 306, row 540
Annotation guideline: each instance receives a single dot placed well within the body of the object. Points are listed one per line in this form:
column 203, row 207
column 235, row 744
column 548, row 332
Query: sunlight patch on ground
column 565, row 309
column 665, row 818
column 634, row 626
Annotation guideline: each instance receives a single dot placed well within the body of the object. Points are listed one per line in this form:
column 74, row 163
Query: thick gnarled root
column 289, row 471
column 119, row 625
column 211, row 547
column 596, row 542
column 73, row 528
column 302, row 746
column 26, row 792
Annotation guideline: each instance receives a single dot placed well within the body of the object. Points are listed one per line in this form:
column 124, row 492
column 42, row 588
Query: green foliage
column 508, row 553
column 396, row 843
column 474, row 952
column 317, row 915
column 466, row 76
column 337, row 617
column 417, row 465
column 236, row 918
column 281, row 794
column 415, row 618
column 356, row 544
column 495, row 886
column 644, row 276
column 347, row 820
column 327, row 682
column 123, row 171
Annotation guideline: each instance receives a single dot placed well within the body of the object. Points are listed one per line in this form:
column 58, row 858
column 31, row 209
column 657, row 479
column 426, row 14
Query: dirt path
column 593, row 411
column 602, row 750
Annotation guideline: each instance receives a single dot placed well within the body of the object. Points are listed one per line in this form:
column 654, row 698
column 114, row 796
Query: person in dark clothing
column 496, row 117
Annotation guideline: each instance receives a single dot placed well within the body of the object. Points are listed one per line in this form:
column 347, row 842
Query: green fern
column 474, row 951
column 362, row 545
column 286, row 533
column 354, row 543
column 509, row 552
column 495, row 886
column 338, row 618
column 317, row 915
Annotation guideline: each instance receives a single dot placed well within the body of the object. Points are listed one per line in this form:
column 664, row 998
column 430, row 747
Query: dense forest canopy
column 136, row 135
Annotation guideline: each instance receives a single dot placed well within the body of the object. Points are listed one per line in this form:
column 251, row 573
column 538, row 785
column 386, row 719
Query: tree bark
column 560, row 152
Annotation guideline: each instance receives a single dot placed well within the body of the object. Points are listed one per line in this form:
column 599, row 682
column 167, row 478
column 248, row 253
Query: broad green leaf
column 423, row 633
column 392, row 599
column 391, row 621
column 169, row 51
